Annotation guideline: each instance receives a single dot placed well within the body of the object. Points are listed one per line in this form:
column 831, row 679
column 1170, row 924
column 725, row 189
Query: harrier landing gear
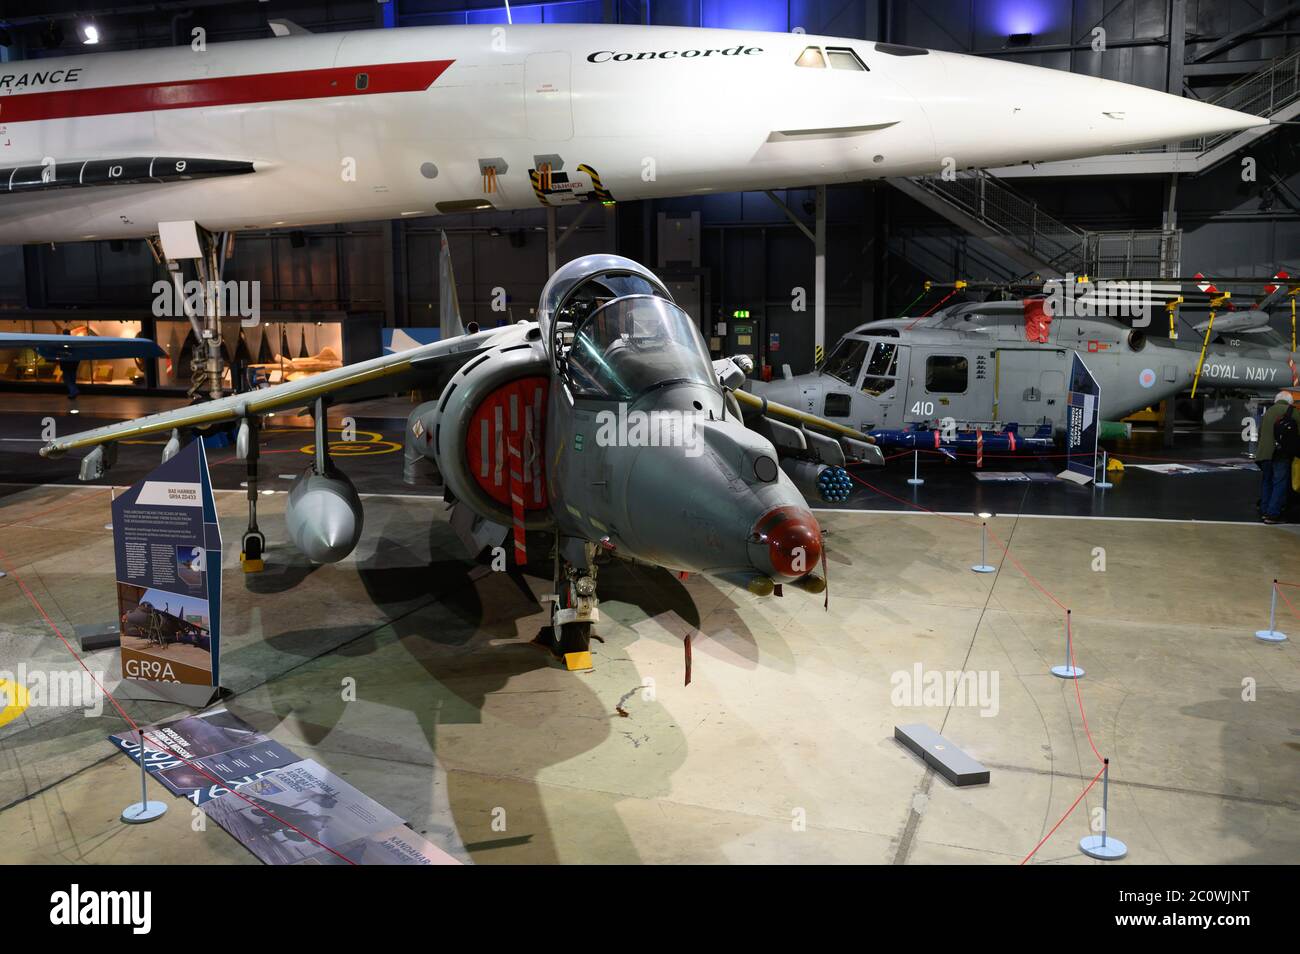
column 574, row 606
column 254, row 542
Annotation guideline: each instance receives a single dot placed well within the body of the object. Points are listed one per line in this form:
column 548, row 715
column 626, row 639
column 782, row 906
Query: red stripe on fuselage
column 221, row 91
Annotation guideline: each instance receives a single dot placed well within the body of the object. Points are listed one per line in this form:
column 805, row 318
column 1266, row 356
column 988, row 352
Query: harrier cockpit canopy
column 613, row 331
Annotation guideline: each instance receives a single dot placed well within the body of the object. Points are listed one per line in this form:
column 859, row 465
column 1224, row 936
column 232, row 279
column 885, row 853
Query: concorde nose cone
column 988, row 112
column 1156, row 117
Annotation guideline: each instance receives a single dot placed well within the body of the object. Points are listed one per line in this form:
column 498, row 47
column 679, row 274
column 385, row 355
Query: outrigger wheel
column 575, row 645
column 250, row 555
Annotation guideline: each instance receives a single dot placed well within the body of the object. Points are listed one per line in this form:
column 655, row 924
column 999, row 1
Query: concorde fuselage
column 420, row 121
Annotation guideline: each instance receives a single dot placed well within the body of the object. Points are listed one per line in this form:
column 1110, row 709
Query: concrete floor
column 780, row 750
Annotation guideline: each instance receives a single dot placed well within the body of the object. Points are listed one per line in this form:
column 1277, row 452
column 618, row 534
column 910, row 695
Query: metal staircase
column 1000, row 216
column 1033, row 241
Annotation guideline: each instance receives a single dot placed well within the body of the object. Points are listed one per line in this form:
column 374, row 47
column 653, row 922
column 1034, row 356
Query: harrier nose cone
column 792, row 540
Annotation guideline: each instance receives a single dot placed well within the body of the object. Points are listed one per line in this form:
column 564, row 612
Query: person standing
column 1279, row 444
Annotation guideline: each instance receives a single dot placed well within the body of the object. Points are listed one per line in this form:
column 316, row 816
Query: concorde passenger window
column 363, row 80
column 946, row 374
column 812, row 56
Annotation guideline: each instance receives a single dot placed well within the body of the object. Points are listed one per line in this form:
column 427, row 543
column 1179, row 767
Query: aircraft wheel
column 575, row 643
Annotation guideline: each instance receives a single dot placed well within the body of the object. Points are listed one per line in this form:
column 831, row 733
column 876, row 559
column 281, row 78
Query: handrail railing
column 1149, row 253
column 1004, row 210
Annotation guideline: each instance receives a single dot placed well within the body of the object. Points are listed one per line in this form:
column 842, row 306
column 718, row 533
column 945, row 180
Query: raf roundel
column 1147, row 378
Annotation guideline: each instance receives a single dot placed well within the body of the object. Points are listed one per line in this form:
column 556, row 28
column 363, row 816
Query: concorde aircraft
column 304, row 130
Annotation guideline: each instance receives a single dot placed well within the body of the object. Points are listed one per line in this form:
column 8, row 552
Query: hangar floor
column 781, row 749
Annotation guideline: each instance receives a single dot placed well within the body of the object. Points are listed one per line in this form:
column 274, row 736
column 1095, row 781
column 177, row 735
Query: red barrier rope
column 1062, row 819
column 1069, row 641
column 31, row 598
column 1290, row 605
column 1031, row 455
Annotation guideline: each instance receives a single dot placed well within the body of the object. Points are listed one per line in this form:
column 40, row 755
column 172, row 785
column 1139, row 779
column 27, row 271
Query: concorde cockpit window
column 882, row 369
column 946, row 374
column 630, row 345
column 812, row 56
column 846, row 360
column 843, row 58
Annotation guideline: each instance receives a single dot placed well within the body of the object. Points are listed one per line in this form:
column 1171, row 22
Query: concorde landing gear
column 574, row 606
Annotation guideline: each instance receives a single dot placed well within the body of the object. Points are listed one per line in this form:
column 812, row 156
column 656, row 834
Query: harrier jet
column 604, row 423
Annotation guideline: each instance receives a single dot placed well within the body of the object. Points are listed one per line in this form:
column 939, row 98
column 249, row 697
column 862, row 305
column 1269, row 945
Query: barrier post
column 143, row 810
column 1104, row 483
column 983, row 565
column 915, row 480
column 1272, row 634
column 112, row 496
column 1101, row 846
column 1069, row 670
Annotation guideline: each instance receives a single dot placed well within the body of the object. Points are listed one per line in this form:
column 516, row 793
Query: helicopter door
column 950, row 383
column 883, row 385
column 1030, row 385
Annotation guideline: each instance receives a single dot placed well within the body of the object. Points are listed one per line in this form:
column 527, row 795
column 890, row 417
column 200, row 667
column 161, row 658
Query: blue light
column 767, row 15
column 565, row 11
column 1022, row 16
column 519, row 14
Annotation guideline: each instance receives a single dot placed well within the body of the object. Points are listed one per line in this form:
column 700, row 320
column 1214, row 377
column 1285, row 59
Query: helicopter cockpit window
column 946, row 374
column 633, row 344
column 882, row 369
column 846, row 360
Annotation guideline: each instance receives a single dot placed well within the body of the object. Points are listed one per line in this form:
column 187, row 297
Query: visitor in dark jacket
column 1274, row 460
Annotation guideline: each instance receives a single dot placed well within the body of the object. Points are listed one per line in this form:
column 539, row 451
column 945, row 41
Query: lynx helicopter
column 528, row 435
column 994, row 374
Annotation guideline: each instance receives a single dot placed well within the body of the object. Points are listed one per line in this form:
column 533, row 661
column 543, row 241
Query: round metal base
column 142, row 812
column 1270, row 635
column 983, row 568
column 916, row 481
column 108, row 526
column 1067, row 672
column 1112, row 850
column 1103, row 484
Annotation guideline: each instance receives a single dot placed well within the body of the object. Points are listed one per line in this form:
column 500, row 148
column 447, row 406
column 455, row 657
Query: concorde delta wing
column 387, row 374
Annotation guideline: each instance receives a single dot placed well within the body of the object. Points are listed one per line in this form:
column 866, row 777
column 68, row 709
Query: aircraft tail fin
column 448, row 302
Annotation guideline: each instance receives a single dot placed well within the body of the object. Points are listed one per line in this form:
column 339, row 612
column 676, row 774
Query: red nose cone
column 794, row 540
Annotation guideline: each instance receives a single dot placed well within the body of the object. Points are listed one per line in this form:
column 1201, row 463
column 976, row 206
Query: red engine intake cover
column 513, row 414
